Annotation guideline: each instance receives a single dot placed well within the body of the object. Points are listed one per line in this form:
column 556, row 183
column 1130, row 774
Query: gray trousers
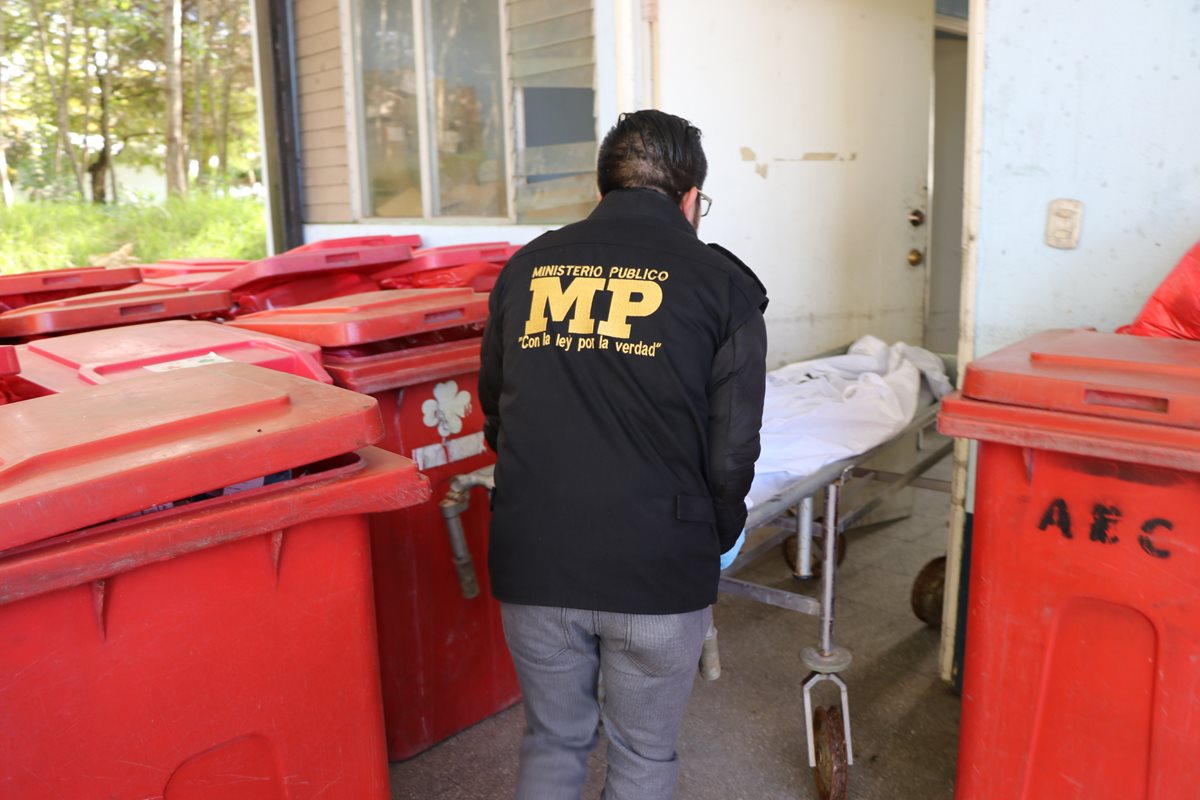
column 648, row 663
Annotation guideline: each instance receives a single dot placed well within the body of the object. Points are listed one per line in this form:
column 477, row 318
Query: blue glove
column 729, row 555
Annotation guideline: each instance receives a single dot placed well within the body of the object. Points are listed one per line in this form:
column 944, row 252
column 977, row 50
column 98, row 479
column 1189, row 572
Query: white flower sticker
column 447, row 408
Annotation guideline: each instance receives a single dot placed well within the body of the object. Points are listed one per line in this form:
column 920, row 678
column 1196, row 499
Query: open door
column 816, row 121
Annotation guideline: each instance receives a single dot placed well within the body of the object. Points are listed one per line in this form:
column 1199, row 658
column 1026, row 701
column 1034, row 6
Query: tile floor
column 743, row 735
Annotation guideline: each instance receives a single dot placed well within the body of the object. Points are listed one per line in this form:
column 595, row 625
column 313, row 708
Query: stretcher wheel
column 832, row 773
column 791, row 549
column 928, row 592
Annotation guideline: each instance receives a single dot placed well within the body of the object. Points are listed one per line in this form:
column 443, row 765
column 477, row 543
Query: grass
column 64, row 234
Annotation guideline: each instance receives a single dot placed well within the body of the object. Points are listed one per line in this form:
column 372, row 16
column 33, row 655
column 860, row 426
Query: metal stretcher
column 830, row 747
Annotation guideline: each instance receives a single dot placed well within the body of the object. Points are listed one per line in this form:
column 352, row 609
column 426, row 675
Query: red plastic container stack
column 444, row 662
column 1083, row 632
column 216, row 648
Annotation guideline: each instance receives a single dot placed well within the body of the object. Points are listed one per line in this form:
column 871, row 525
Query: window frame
column 605, row 83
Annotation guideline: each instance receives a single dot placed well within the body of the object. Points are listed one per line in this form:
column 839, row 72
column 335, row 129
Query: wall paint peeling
column 821, row 157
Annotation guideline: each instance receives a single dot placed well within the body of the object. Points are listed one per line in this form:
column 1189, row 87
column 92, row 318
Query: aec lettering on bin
column 1104, row 521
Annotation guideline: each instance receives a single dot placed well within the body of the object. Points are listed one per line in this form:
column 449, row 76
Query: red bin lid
column 1096, row 374
column 480, row 276
column 181, row 280
column 141, row 289
column 380, row 372
column 371, row 316
column 290, row 266
column 108, row 309
column 81, row 458
column 114, row 354
column 451, row 256
column 173, row 267
column 1106, row 395
column 412, row 240
column 79, row 279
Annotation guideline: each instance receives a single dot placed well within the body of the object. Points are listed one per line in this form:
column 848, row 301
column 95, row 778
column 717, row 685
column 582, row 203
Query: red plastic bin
column 222, row 648
column 444, row 662
column 108, row 309
column 297, row 278
column 26, row 288
column 1083, row 631
column 61, row 363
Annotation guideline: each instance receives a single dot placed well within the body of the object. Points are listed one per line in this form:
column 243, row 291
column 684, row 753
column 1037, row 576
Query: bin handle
column 445, row 315
column 143, row 308
column 61, row 280
column 341, row 258
column 1137, row 402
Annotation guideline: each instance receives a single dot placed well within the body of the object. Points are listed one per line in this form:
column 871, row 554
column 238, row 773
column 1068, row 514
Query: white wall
column 1094, row 101
column 774, row 83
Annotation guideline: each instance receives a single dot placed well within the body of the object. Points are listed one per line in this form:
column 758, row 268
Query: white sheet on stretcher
column 820, row 411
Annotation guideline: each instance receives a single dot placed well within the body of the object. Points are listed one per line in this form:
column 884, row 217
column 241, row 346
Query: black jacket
column 622, row 380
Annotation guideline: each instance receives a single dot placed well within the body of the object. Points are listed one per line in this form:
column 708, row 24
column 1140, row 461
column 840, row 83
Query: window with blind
column 436, row 138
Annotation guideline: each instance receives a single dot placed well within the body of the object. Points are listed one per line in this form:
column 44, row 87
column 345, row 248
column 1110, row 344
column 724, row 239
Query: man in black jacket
column 622, row 380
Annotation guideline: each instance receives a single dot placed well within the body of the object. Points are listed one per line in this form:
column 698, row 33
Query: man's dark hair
column 651, row 150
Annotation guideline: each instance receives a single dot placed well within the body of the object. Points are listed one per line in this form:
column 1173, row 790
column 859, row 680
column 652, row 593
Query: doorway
column 949, row 137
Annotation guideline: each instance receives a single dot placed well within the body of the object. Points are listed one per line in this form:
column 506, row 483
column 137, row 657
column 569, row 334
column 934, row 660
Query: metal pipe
column 452, row 507
column 827, row 576
column 779, row 598
column 804, row 540
column 456, row 501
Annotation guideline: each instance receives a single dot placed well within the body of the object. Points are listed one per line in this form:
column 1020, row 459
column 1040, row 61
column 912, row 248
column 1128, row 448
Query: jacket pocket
column 691, row 508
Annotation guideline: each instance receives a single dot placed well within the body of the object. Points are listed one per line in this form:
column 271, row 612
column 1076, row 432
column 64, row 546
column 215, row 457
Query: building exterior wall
column 321, row 86
column 1109, row 119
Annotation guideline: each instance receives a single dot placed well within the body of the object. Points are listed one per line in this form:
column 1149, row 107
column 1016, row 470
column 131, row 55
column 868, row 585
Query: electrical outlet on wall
column 1064, row 223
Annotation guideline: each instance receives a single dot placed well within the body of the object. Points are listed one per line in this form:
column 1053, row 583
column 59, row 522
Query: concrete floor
column 743, row 735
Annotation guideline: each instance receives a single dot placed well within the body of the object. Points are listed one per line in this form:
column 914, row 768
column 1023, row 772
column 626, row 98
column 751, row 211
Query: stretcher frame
column 827, row 658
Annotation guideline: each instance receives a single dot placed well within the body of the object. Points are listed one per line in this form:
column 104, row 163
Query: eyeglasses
column 705, row 203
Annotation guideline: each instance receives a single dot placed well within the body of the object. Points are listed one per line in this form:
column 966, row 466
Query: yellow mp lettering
column 548, row 293
column 624, row 306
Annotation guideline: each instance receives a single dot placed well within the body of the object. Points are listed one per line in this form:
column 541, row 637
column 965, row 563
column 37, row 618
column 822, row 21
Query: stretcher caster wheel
column 832, row 773
column 791, row 548
column 928, row 592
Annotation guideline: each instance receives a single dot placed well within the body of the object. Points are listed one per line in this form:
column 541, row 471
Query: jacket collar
column 646, row 205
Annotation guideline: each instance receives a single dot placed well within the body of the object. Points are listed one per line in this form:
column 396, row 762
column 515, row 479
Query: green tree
column 86, row 86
